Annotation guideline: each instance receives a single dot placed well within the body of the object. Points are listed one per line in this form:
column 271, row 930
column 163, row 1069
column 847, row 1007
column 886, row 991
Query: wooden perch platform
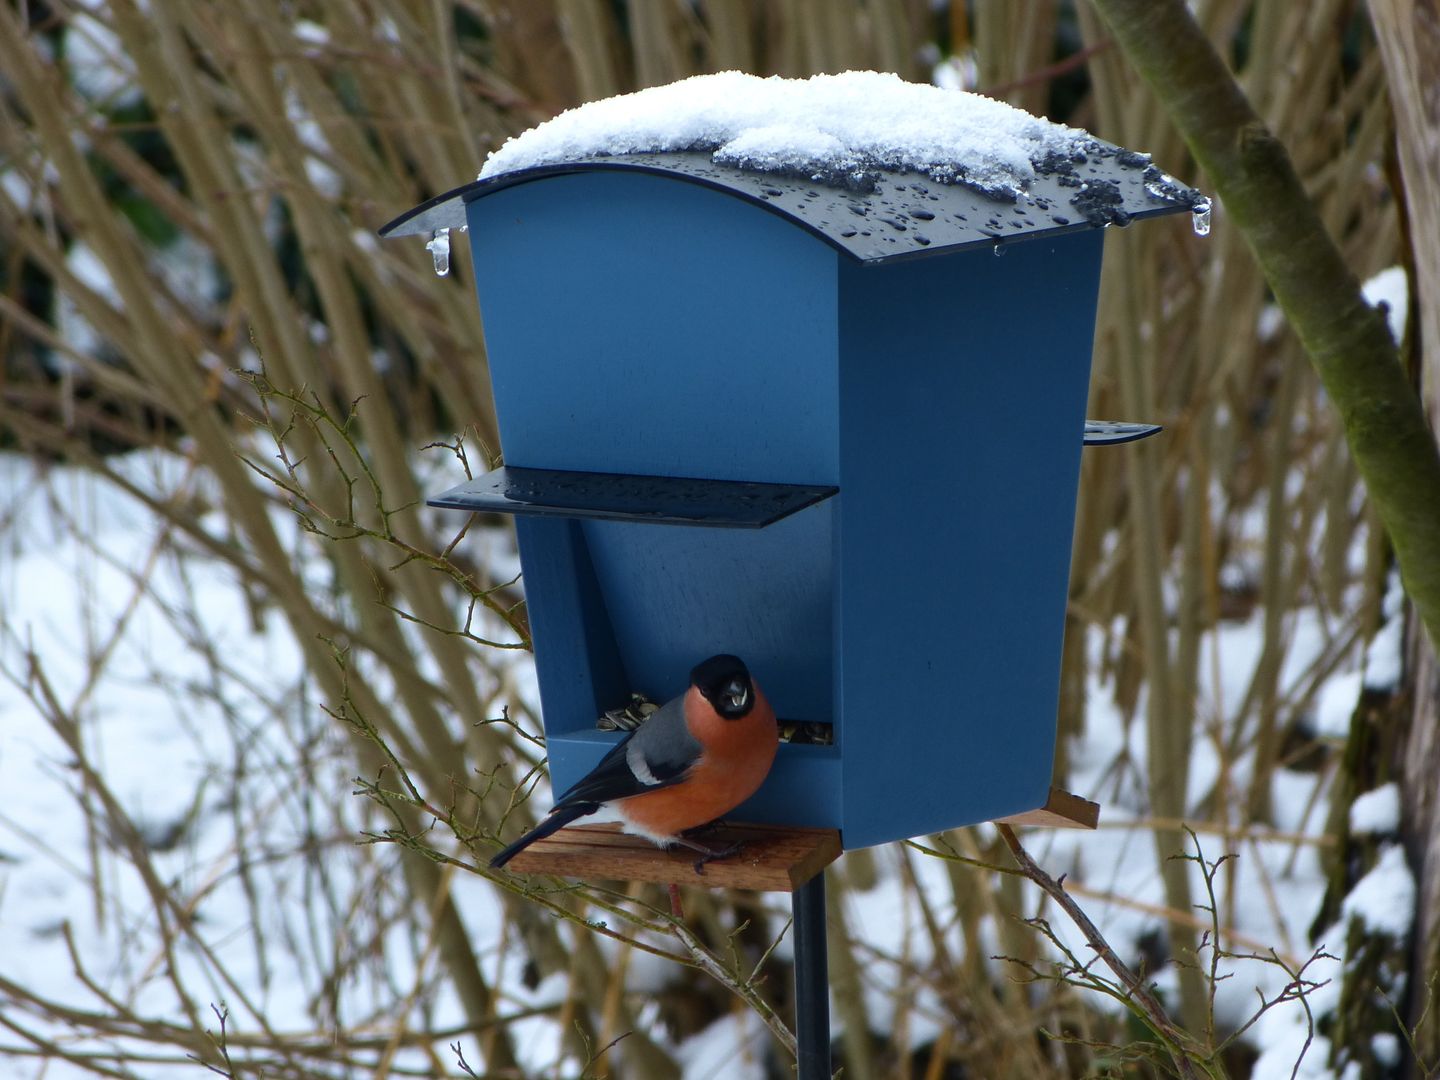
column 773, row 859
column 1061, row 811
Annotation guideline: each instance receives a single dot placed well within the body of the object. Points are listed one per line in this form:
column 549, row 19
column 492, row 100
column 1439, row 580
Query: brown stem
column 1175, row 1037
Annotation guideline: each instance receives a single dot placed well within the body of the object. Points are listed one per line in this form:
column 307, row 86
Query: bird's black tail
column 558, row 819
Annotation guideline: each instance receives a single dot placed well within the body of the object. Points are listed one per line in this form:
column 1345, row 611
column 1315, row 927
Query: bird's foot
column 707, row 854
column 718, row 853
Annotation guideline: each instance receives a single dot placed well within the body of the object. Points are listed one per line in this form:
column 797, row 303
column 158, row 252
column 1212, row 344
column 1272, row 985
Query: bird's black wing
column 655, row 755
column 558, row 819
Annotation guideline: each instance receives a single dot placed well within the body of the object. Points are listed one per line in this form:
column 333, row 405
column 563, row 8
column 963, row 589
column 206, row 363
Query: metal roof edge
column 896, row 215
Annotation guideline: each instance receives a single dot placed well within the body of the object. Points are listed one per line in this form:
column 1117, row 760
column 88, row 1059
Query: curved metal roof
column 897, row 215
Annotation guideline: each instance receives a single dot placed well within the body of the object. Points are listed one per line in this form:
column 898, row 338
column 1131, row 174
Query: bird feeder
column 832, row 427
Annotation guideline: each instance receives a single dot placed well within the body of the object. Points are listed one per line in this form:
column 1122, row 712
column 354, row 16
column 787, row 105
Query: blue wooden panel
column 638, row 324
column 952, row 607
column 679, row 594
column 582, row 672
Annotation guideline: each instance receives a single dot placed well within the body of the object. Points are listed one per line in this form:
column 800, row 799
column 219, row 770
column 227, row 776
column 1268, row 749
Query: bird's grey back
column 662, row 748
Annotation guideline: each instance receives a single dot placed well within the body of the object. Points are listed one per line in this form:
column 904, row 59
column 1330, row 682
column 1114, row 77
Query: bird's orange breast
column 737, row 758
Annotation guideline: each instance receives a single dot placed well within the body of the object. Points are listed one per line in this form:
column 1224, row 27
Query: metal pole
column 812, row 981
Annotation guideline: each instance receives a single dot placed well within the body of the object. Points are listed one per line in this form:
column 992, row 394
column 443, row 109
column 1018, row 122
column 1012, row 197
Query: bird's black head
column 725, row 682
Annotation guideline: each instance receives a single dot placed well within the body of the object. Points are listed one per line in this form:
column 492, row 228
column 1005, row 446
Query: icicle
column 1200, row 217
column 439, row 248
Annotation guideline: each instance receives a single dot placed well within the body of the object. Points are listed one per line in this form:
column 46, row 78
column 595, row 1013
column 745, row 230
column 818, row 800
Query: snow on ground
column 1389, row 290
column 1384, row 899
column 168, row 675
column 172, row 672
column 1384, row 656
column 1376, row 812
column 732, row 1048
column 96, row 63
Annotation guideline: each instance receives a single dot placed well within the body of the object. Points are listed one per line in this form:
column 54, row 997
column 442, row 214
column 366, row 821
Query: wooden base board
column 773, row 858
column 1061, row 811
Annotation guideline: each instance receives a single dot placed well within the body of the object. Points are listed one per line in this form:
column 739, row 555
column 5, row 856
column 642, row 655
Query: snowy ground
column 166, row 679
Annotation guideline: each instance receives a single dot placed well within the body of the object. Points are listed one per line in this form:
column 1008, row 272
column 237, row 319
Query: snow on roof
column 836, row 129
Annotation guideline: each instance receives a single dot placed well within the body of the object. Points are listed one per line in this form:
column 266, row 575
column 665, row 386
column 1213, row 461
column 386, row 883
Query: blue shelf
column 667, row 500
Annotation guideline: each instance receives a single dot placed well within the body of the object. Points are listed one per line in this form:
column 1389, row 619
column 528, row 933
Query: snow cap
column 878, row 168
column 834, row 129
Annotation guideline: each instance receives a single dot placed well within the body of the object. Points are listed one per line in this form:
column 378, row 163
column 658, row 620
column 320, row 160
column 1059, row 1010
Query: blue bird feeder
column 834, row 430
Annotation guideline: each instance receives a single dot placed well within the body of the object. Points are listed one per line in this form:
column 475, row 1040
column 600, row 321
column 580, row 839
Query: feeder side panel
column 646, row 325
column 639, row 324
column 571, row 630
column 963, row 392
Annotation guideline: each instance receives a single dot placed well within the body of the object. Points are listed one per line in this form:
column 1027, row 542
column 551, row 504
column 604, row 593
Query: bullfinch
column 691, row 761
